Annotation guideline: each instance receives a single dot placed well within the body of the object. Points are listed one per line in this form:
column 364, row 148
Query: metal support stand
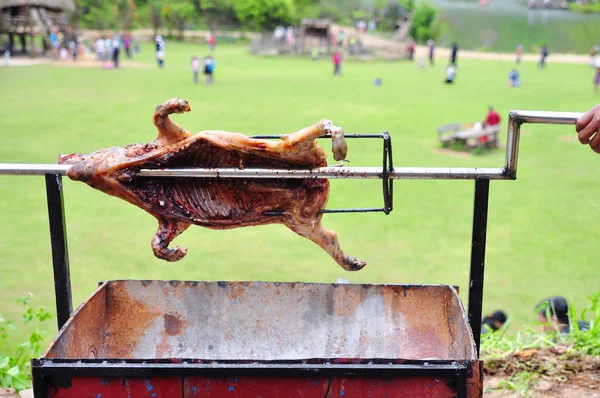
column 480, row 214
column 60, row 256
column 387, row 173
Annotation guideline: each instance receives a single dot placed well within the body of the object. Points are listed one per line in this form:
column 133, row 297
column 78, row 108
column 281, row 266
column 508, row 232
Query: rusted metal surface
column 321, row 387
column 116, row 387
column 85, row 339
column 292, row 387
column 289, row 387
column 413, row 387
column 267, row 321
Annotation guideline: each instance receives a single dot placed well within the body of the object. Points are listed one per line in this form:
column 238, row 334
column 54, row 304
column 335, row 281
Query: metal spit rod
column 516, row 118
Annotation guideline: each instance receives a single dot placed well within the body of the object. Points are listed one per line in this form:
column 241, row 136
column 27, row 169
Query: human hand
column 587, row 127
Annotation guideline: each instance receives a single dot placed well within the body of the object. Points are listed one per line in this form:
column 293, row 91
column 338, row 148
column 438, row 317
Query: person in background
column 454, row 53
column 160, row 58
column 492, row 119
column 553, row 312
column 54, row 39
column 160, row 51
column 372, row 25
column 588, row 127
column 519, row 53
column 340, row 38
column 353, row 45
column 63, row 53
column 450, row 74
column 543, row 56
column 6, row 52
column 209, row 69
column 411, row 50
column 314, row 53
column 127, row 45
column 513, row 78
column 337, row 63
column 73, row 48
column 116, row 48
column 431, row 48
column 100, row 48
column 212, row 41
column 195, row 68
column 107, row 49
column 159, row 43
column 493, row 322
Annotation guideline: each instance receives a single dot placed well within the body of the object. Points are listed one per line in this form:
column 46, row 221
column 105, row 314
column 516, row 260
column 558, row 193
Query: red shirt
column 492, row 118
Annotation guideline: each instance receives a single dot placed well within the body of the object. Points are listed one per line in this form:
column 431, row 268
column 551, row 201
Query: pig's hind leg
column 167, row 231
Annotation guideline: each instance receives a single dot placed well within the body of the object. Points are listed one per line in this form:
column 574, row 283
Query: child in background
column 337, row 63
column 519, row 53
column 195, row 68
column 209, row 68
column 160, row 58
column 513, row 78
column 450, row 73
column 212, row 41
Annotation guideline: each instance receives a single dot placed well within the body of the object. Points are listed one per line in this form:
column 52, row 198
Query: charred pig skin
column 218, row 203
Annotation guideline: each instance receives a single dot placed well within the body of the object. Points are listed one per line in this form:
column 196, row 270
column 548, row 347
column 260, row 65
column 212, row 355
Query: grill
column 211, row 339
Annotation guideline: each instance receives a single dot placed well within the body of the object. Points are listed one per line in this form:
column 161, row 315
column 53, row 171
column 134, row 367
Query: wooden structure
column 25, row 18
column 315, row 33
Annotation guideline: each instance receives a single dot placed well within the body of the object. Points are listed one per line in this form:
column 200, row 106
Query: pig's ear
column 170, row 132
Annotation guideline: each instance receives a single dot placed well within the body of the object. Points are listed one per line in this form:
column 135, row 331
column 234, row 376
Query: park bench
column 446, row 133
column 469, row 136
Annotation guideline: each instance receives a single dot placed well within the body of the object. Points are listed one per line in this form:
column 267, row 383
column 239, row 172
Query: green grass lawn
column 543, row 227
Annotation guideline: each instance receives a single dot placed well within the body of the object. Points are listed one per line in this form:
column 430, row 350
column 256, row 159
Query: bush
column 425, row 24
column 592, row 8
column 15, row 370
column 265, row 14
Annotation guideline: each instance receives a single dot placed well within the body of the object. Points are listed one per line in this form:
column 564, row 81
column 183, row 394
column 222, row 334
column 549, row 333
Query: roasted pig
column 218, row 203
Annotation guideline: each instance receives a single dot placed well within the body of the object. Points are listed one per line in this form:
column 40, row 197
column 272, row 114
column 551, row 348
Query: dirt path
column 545, row 389
column 81, row 63
column 444, row 54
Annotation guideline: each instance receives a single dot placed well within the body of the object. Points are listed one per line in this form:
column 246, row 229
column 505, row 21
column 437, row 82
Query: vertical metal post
column 60, row 254
column 480, row 213
column 37, row 378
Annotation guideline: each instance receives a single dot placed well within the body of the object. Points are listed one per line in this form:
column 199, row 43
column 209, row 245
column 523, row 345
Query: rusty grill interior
column 266, row 321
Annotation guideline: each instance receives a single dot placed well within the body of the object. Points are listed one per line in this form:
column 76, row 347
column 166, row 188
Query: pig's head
column 104, row 169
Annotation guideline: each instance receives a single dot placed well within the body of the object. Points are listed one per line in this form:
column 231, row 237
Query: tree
column 126, row 13
column 96, row 14
column 408, row 5
column 154, row 9
column 308, row 8
column 216, row 12
column 176, row 14
column 425, row 23
column 265, row 14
